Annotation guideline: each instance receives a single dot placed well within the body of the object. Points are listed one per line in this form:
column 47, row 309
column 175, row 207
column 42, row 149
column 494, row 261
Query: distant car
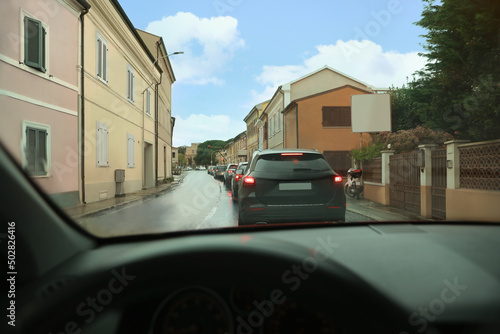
column 290, row 185
column 219, row 172
column 189, row 168
column 236, row 180
column 202, row 168
column 228, row 174
column 211, row 170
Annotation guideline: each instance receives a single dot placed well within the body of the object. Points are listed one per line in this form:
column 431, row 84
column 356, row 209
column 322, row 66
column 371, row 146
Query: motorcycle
column 353, row 186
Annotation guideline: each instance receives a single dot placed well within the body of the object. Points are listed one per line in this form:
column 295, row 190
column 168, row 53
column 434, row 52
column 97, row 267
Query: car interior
column 433, row 277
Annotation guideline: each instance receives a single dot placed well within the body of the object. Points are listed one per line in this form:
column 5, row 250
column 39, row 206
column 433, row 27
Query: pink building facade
column 39, row 91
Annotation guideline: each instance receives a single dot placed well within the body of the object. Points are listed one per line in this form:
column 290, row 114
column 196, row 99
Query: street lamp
column 174, row 53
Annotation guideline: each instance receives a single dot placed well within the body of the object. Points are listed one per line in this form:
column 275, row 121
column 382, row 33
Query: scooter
column 353, row 186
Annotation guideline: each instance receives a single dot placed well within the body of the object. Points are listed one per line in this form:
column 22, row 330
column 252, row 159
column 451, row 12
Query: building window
column 35, row 37
column 130, row 151
column 336, row 116
column 173, row 155
column 102, row 144
column 340, row 161
column 102, row 58
column 130, row 83
column 148, row 102
column 36, row 148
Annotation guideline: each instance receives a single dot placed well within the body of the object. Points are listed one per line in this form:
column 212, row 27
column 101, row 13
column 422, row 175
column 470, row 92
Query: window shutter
column 132, row 86
column 130, row 151
column 102, row 145
column 106, row 146
column 42, row 42
column 30, row 149
column 41, row 157
column 34, row 44
column 105, row 62
column 99, row 58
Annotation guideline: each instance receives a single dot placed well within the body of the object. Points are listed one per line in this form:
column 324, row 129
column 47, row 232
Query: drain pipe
column 82, row 109
column 157, row 101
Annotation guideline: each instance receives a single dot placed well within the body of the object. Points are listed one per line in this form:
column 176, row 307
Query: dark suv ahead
column 290, row 185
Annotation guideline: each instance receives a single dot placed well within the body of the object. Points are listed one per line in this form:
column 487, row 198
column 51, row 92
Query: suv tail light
column 230, row 171
column 249, row 181
column 237, row 177
column 337, row 179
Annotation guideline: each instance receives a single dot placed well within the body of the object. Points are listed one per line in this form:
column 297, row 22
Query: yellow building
column 118, row 108
column 163, row 106
column 252, row 137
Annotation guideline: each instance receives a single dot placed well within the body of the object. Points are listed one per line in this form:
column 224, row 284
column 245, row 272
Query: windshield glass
column 127, row 114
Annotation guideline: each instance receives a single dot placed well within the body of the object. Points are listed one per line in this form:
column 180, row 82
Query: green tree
column 204, row 153
column 182, row 150
column 458, row 90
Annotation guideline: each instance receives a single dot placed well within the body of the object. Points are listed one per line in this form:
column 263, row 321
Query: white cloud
column 365, row 61
column 208, row 44
column 198, row 128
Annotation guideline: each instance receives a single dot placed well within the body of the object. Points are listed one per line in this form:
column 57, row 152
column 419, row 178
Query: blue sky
column 237, row 52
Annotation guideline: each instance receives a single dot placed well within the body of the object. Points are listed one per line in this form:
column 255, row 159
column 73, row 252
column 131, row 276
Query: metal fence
column 480, row 165
column 372, row 170
column 405, row 181
column 438, row 185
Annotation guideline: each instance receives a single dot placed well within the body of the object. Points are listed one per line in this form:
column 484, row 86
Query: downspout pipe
column 157, row 101
column 82, row 109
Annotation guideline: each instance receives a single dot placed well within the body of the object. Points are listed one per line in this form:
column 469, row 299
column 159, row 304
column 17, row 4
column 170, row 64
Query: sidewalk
column 380, row 212
column 82, row 210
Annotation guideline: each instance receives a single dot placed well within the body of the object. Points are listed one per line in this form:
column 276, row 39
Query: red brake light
column 337, row 179
column 292, row 154
column 249, row 181
column 237, row 177
column 230, row 171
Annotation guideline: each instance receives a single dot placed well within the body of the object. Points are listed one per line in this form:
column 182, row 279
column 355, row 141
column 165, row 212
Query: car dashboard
column 322, row 278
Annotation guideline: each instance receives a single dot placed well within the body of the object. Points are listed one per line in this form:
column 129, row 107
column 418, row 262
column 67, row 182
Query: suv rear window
column 221, row 168
column 277, row 163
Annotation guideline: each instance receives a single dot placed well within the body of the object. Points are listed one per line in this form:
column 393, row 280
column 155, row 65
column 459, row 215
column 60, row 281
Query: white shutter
column 102, row 144
column 99, row 58
column 130, row 151
column 105, row 62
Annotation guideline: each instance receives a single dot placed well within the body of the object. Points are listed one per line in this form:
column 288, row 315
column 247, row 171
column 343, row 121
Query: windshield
column 127, row 114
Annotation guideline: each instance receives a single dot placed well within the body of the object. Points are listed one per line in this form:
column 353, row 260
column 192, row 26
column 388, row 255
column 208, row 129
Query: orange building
column 322, row 121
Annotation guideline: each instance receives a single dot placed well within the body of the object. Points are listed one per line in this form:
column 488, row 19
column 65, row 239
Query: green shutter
column 34, row 44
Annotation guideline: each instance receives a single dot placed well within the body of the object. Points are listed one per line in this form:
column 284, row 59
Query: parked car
column 188, row 168
column 228, row 174
column 210, row 170
column 290, row 185
column 219, row 172
column 236, row 180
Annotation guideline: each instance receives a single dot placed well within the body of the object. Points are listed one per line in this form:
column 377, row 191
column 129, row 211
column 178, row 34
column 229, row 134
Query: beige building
column 164, row 124
column 191, row 153
column 118, row 116
column 252, row 133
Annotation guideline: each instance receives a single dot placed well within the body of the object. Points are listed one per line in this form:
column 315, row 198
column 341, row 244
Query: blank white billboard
column 371, row 112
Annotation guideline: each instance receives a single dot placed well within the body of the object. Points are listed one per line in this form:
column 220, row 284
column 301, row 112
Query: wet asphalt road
column 197, row 202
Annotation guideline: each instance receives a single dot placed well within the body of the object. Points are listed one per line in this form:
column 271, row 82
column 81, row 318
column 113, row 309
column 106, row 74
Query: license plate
column 295, row 186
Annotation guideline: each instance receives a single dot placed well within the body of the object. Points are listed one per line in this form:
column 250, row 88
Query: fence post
column 453, row 163
column 386, row 175
column 426, row 180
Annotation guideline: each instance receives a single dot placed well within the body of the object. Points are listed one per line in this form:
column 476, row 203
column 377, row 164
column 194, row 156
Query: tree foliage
column 458, row 91
column 207, row 151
